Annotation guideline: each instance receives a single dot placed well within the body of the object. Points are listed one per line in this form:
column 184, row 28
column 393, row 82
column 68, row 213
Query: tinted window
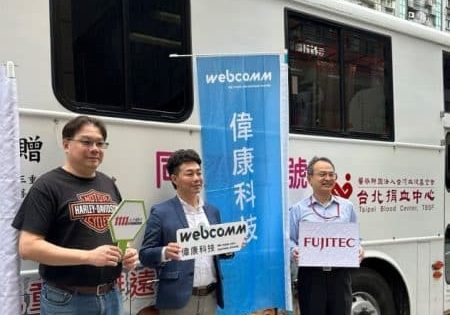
column 446, row 71
column 111, row 57
column 340, row 80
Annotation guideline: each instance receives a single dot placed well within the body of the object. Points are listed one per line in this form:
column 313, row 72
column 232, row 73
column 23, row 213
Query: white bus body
column 402, row 240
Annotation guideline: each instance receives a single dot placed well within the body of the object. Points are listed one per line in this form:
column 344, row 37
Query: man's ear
column 65, row 144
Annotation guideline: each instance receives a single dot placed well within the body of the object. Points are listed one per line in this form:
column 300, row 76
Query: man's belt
column 100, row 289
column 205, row 290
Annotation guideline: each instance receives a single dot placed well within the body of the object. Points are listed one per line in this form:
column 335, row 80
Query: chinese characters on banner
column 242, row 144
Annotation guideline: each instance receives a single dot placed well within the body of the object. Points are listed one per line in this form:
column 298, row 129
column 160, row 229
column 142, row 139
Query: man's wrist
column 85, row 257
column 163, row 255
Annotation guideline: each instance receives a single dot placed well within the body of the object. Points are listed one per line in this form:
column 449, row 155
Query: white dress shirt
column 204, row 270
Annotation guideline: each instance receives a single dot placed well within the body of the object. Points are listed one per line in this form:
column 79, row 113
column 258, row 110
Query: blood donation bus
column 367, row 89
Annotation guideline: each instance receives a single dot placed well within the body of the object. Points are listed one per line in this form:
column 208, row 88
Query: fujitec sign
column 328, row 244
column 126, row 222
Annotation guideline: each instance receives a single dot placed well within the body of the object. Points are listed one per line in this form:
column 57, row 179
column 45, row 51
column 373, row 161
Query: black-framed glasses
column 332, row 175
column 90, row 143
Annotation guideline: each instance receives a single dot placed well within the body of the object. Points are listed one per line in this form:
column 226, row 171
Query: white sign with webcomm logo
column 211, row 240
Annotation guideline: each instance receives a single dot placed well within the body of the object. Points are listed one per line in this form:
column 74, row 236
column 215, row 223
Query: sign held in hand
column 211, row 240
column 328, row 244
column 126, row 222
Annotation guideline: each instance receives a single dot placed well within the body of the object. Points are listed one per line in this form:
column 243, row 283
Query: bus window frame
column 389, row 136
column 127, row 109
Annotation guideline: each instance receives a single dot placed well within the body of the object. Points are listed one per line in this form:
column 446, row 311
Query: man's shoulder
column 103, row 176
column 210, row 207
column 49, row 177
column 304, row 202
column 59, row 175
column 52, row 173
column 166, row 204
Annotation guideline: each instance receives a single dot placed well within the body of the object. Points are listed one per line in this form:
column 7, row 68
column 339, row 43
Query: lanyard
column 322, row 216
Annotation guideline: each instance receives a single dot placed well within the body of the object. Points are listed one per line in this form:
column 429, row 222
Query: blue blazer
column 175, row 277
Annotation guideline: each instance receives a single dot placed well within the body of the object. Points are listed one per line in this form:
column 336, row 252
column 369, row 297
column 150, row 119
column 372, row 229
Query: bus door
column 447, row 226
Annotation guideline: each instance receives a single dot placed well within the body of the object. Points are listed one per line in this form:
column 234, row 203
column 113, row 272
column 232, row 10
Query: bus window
column 340, row 80
column 446, row 71
column 112, row 57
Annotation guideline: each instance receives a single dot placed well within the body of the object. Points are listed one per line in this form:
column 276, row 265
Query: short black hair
column 179, row 157
column 74, row 125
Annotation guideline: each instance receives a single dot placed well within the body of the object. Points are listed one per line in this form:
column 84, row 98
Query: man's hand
column 105, row 255
column 173, row 251
column 361, row 253
column 131, row 259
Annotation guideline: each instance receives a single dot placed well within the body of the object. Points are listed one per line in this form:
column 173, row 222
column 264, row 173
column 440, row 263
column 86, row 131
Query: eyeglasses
column 91, row 143
column 332, row 175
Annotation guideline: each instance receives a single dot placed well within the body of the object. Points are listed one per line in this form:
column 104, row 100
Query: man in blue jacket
column 191, row 286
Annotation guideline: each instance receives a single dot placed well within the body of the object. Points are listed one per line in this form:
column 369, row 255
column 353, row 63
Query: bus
column 367, row 89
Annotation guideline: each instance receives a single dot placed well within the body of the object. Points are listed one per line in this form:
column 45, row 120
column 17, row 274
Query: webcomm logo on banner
column 238, row 77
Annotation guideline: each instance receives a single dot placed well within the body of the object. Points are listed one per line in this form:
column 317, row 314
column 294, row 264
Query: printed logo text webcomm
column 231, row 77
column 212, row 232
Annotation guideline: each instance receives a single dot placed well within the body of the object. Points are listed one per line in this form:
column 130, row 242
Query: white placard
column 328, row 244
column 210, row 240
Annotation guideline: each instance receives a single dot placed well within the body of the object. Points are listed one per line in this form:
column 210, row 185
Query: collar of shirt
column 329, row 211
column 313, row 201
column 188, row 209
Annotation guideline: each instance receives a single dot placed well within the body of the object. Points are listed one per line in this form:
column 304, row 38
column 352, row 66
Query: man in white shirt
column 191, row 286
column 322, row 290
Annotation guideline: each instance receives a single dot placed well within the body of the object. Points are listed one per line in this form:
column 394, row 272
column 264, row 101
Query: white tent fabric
column 10, row 293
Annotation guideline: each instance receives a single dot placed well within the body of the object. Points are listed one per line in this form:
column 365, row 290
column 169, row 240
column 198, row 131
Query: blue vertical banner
column 244, row 140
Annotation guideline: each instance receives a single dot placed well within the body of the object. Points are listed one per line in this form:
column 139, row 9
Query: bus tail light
column 437, row 265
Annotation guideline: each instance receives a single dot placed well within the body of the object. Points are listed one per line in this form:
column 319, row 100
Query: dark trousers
column 324, row 292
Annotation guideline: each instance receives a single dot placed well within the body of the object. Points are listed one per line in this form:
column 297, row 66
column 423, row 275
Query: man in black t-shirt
column 63, row 226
